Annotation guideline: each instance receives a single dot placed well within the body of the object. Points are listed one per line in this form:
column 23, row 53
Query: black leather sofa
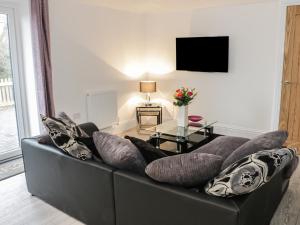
column 96, row 193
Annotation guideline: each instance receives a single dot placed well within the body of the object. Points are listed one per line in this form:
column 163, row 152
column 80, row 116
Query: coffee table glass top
column 170, row 128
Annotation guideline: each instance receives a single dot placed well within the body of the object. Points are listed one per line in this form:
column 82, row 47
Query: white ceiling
column 166, row 5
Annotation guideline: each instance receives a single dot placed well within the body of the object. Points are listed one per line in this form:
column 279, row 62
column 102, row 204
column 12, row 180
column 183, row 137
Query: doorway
column 290, row 93
column 11, row 113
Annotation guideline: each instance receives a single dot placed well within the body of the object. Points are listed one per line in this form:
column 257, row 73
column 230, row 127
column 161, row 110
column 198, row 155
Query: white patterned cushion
column 63, row 135
column 250, row 173
column 77, row 131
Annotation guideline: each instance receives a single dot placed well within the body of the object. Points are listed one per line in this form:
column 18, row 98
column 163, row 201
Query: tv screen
column 205, row 54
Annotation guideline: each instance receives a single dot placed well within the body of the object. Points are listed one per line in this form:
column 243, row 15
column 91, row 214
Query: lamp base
column 148, row 103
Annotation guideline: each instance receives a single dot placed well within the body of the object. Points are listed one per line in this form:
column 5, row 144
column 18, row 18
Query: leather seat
column 141, row 201
column 96, row 193
column 82, row 189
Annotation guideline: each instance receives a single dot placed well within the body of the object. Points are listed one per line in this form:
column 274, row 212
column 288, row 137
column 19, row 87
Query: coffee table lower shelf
column 183, row 144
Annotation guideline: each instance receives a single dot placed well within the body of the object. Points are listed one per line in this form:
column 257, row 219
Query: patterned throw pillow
column 89, row 142
column 63, row 137
column 77, row 131
column 250, row 173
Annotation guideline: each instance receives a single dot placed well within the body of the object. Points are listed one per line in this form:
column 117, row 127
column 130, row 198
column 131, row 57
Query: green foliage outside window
column 5, row 64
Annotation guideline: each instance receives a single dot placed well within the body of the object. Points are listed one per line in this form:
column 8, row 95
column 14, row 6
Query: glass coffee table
column 186, row 139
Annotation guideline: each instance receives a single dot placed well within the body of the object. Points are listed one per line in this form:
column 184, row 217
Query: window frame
column 18, row 78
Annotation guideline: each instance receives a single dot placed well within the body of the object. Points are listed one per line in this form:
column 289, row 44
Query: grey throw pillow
column 46, row 140
column 222, row 146
column 271, row 140
column 119, row 152
column 188, row 170
column 250, row 173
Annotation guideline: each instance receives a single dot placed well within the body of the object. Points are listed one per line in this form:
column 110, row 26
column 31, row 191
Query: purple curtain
column 42, row 56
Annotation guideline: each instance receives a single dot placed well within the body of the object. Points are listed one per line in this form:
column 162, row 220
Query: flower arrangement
column 183, row 96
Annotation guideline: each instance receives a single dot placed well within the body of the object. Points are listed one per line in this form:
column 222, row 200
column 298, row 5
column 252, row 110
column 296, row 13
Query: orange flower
column 179, row 94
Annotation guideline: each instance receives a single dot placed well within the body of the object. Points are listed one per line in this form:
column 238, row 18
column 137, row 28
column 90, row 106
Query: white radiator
column 102, row 108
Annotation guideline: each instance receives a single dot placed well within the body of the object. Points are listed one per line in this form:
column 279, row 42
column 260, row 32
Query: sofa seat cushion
column 265, row 141
column 250, row 173
column 119, row 152
column 149, row 152
column 222, row 146
column 188, row 170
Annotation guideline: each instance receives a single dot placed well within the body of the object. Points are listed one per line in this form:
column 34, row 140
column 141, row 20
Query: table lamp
column 148, row 87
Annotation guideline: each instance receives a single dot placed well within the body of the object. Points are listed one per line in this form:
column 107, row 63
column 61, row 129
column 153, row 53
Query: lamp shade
column 147, row 86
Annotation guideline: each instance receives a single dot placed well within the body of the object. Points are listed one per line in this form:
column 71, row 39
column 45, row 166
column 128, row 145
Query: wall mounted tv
column 204, row 54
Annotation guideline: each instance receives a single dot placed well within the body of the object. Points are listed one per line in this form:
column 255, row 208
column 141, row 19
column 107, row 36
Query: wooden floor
column 289, row 209
column 18, row 207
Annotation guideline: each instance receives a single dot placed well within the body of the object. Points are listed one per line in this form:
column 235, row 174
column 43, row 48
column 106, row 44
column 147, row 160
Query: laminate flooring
column 18, row 207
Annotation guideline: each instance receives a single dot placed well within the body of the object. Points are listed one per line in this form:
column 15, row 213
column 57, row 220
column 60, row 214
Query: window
column 11, row 111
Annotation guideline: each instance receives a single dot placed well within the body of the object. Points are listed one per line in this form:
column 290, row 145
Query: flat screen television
column 204, row 54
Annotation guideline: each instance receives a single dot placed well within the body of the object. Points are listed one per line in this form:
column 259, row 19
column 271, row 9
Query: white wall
column 95, row 48
column 241, row 100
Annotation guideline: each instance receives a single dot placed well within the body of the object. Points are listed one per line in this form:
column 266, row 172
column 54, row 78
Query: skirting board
column 226, row 129
column 121, row 126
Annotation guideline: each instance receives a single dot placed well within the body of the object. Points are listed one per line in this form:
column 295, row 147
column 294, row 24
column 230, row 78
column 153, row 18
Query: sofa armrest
column 82, row 189
column 141, row 201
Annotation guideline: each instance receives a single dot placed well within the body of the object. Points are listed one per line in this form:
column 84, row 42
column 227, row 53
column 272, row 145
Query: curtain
column 42, row 56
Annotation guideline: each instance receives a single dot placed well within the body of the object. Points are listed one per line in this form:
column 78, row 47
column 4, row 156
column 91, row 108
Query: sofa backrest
column 151, row 203
column 82, row 189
